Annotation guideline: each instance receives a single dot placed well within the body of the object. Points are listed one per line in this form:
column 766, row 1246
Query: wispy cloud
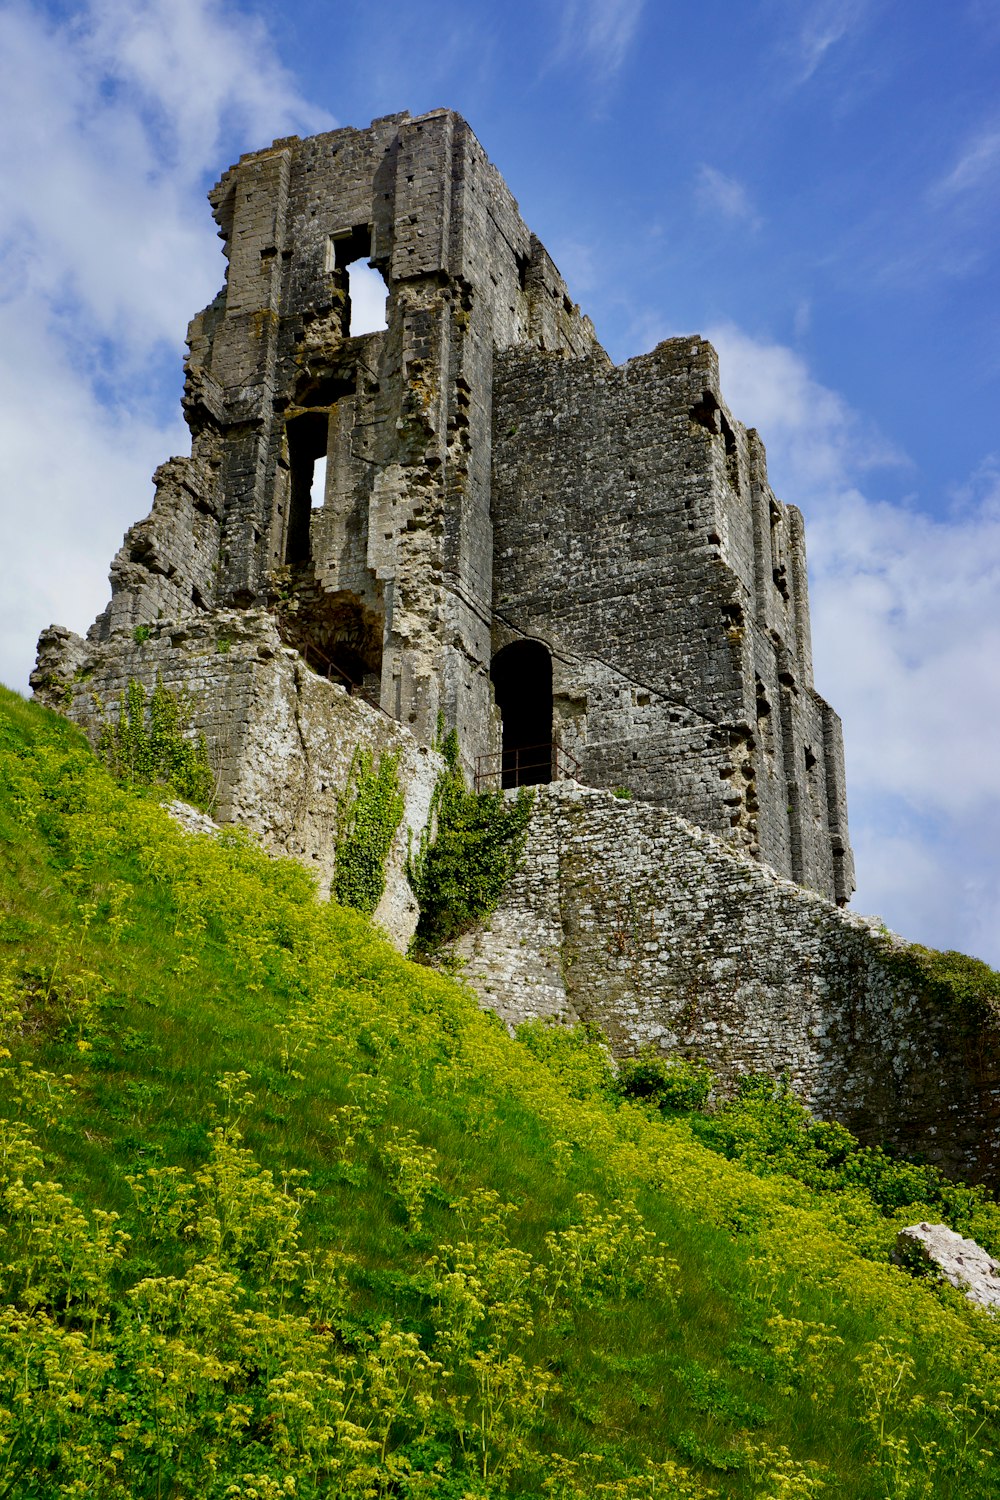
column 977, row 164
column 111, row 118
column 578, row 263
column 599, row 33
column 818, row 27
column 820, row 441
column 721, row 194
column 907, row 644
column 947, row 230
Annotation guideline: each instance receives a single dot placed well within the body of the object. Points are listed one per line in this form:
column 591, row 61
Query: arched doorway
column 522, row 685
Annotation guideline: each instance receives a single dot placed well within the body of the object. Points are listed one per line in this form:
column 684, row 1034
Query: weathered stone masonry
column 665, row 936
column 636, row 532
column 557, row 558
column 493, row 483
column 281, row 738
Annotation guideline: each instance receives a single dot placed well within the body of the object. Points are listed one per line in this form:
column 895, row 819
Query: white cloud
column 818, row 27
column 906, row 635
column 978, row 162
column 599, row 32
column 821, row 440
column 74, row 475
column 726, row 196
column 111, row 119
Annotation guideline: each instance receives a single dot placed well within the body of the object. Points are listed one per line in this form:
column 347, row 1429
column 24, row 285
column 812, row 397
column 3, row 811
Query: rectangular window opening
column 307, row 441
column 317, row 492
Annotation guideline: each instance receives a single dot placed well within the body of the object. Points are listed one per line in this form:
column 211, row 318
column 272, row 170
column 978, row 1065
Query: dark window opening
column 522, row 683
column 307, row 437
column 328, row 388
column 341, row 663
column 705, row 413
column 764, row 728
column 778, row 570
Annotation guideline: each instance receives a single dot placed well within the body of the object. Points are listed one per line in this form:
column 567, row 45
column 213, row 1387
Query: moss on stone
column 950, row 977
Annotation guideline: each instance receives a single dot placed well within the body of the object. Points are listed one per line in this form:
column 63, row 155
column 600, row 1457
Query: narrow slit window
column 307, row 438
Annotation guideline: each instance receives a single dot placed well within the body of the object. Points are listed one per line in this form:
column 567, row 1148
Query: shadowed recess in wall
column 522, row 683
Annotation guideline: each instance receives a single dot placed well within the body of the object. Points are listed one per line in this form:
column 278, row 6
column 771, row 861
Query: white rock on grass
column 961, row 1262
column 191, row 819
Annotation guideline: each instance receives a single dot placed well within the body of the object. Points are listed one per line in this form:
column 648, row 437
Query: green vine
column 465, row 854
column 369, row 811
column 154, row 746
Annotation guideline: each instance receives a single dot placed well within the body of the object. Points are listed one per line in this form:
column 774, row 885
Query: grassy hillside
column 286, row 1215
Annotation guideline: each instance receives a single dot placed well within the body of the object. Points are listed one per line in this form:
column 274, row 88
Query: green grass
column 374, row 1246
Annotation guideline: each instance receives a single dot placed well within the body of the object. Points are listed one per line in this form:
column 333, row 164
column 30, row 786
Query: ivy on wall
column 465, row 854
column 154, row 746
column 369, row 811
column 949, row 977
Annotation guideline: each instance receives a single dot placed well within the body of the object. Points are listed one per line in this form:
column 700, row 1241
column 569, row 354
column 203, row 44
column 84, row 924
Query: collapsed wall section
column 668, row 937
column 281, row 739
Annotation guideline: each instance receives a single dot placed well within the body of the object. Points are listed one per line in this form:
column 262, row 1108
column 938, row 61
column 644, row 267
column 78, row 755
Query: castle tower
column 580, row 568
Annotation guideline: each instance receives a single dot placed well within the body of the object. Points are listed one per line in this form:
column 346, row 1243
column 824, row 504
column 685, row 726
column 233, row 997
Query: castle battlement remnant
column 574, row 565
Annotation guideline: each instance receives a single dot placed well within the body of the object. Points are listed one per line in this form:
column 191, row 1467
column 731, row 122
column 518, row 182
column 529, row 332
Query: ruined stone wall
column 392, row 573
column 490, row 477
column 280, row 737
column 620, row 912
column 666, row 936
column 637, row 537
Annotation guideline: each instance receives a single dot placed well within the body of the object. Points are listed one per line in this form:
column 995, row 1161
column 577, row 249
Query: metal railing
column 316, row 658
column 527, row 765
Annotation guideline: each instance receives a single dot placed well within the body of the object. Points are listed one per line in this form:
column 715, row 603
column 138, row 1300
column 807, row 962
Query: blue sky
column 813, row 184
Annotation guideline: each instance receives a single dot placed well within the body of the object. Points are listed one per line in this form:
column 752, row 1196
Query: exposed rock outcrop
column 961, row 1262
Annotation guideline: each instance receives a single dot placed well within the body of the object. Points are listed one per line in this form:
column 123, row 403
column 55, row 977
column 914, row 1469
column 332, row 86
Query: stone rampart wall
column 665, row 936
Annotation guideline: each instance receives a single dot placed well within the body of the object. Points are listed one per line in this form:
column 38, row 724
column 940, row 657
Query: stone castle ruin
column 474, row 521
